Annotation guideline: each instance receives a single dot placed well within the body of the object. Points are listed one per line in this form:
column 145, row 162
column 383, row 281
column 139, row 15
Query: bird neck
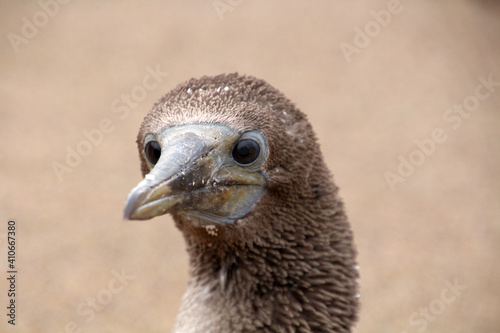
column 309, row 270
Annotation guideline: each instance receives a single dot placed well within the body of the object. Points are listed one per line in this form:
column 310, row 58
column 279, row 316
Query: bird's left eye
column 152, row 151
column 246, row 151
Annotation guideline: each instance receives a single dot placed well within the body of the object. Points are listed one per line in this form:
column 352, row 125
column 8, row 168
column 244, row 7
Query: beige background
column 441, row 224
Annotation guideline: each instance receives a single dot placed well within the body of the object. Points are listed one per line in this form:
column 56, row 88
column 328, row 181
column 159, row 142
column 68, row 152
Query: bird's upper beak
column 196, row 176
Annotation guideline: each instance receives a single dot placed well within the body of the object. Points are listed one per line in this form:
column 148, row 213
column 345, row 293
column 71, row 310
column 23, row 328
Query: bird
column 239, row 168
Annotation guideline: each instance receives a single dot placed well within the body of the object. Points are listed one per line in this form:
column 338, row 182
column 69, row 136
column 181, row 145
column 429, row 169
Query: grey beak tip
column 127, row 214
column 131, row 204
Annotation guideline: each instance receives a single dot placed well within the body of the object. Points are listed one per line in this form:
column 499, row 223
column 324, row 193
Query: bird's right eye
column 152, row 151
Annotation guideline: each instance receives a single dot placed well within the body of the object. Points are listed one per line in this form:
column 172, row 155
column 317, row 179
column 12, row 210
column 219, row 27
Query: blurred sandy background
column 440, row 226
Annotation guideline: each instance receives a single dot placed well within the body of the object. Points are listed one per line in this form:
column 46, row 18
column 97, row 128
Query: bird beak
column 196, row 176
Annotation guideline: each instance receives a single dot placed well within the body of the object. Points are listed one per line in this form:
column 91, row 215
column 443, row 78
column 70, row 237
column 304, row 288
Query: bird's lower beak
column 196, row 176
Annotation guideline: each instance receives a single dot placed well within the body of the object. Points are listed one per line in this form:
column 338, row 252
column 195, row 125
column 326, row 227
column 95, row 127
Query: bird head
column 213, row 147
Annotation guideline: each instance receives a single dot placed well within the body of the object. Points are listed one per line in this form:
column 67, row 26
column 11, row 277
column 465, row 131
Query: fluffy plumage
column 288, row 265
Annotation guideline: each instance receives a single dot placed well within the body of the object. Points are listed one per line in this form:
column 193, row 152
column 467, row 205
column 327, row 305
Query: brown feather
column 287, row 266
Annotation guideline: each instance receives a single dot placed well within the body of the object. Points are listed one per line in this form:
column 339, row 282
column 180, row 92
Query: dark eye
column 153, row 151
column 246, row 151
